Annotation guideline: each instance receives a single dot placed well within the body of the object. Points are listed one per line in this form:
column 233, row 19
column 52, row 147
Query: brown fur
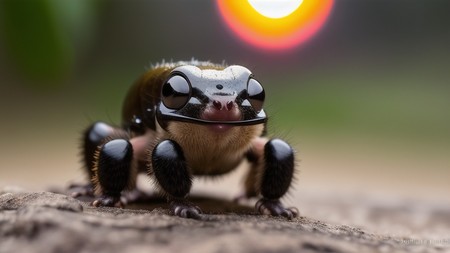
column 253, row 178
column 210, row 153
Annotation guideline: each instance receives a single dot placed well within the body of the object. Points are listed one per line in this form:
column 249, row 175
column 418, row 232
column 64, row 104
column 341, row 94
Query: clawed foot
column 185, row 209
column 80, row 190
column 275, row 208
column 110, row 201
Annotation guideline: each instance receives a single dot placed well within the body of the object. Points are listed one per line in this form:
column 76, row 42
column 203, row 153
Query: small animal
column 187, row 119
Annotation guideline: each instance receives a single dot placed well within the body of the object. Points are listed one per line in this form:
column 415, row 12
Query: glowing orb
column 275, row 24
column 275, row 9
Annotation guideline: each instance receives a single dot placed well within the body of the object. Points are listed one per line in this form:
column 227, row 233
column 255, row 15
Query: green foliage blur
column 42, row 36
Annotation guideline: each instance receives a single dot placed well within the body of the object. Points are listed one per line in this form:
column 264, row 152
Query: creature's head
column 218, row 98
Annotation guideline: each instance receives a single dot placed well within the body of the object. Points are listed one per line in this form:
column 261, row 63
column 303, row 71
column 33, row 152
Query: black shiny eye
column 176, row 92
column 256, row 94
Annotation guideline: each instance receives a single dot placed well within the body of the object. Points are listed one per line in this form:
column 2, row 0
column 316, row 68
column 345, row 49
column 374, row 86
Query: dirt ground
column 350, row 200
column 50, row 222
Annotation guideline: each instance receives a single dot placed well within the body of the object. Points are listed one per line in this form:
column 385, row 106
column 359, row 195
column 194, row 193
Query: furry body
column 185, row 119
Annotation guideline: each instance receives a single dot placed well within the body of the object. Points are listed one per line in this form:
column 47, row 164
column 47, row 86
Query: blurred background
column 365, row 101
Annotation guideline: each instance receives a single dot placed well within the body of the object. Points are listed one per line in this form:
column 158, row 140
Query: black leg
column 276, row 178
column 112, row 171
column 173, row 177
column 93, row 137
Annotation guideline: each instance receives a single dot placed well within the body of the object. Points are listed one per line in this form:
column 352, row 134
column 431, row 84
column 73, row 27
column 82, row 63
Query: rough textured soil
column 49, row 222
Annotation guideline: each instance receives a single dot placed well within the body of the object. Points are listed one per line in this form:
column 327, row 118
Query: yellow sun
column 275, row 24
column 275, row 9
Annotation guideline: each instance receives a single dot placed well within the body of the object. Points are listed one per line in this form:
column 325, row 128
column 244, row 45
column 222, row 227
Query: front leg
column 276, row 178
column 113, row 172
column 173, row 177
column 93, row 137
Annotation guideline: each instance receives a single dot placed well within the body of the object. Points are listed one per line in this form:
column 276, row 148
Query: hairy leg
column 108, row 161
column 94, row 136
column 114, row 171
column 173, row 177
column 271, row 174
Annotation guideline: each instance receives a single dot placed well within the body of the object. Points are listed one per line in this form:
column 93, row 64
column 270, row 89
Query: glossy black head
column 209, row 96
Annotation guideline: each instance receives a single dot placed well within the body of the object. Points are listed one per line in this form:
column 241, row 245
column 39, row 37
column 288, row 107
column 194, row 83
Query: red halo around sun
column 274, row 33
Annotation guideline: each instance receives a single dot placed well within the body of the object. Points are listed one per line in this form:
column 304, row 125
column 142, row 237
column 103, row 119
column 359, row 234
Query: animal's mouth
column 221, row 116
column 209, row 117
